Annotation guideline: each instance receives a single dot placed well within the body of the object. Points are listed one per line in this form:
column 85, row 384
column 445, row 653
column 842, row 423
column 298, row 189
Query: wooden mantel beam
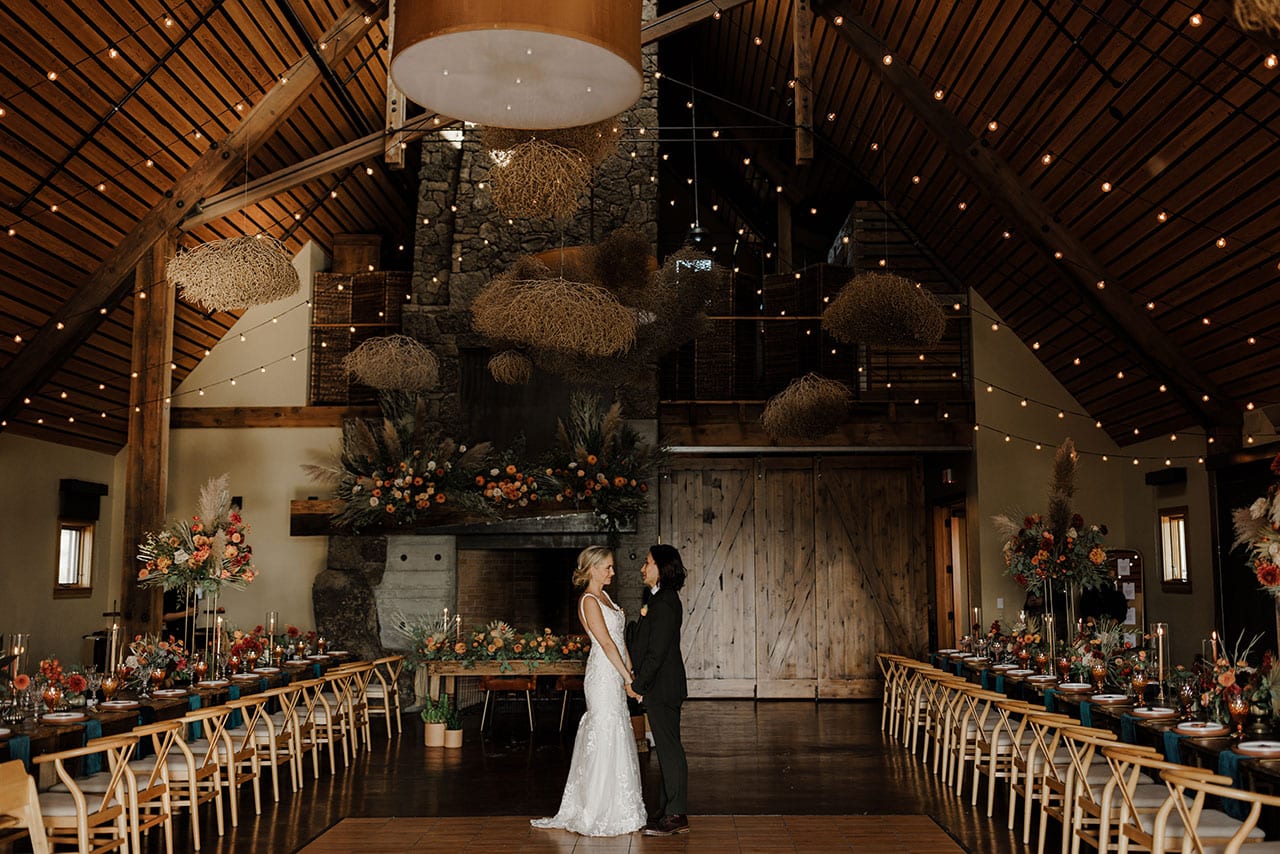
column 1031, row 217
column 81, row 314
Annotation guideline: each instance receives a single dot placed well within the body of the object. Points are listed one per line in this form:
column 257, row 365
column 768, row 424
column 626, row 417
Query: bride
column 602, row 795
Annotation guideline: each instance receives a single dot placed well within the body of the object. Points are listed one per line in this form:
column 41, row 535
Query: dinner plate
column 1259, row 748
column 1154, row 712
column 169, row 692
column 213, row 683
column 266, row 670
column 117, row 705
column 977, row 658
column 64, row 717
column 1004, row 667
column 318, row 657
column 245, row 676
column 1075, row 686
column 1042, row 677
column 1200, row 728
column 940, row 652
column 339, row 652
column 1109, row 698
column 1020, row 672
column 4, row 732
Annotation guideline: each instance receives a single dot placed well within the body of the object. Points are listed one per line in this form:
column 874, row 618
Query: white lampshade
column 519, row 63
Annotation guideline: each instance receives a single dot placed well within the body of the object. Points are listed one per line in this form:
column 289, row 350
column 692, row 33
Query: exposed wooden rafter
column 1027, row 212
column 62, row 333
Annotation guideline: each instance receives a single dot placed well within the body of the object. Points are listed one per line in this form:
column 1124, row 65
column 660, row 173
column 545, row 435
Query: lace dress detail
column 602, row 795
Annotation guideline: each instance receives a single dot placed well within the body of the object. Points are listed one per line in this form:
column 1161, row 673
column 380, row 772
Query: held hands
column 633, row 695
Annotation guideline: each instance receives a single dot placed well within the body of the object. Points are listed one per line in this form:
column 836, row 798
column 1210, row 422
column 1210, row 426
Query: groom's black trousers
column 664, row 720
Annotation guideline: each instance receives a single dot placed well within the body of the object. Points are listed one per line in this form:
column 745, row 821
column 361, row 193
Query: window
column 1174, row 574
column 75, row 558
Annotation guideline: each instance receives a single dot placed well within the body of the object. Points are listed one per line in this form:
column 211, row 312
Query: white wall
column 266, row 343
column 30, row 470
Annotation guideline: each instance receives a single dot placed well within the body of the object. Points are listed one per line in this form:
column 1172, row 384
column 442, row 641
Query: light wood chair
column 332, row 715
column 1072, row 769
column 195, row 769
column 383, row 692
column 306, row 726
column 93, row 824
column 1095, row 803
column 1136, row 824
column 565, row 685
column 994, row 755
column 275, row 735
column 20, row 805
column 358, row 705
column 1185, row 818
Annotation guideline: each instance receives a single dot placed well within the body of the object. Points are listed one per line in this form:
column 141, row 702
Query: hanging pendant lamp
column 519, row 63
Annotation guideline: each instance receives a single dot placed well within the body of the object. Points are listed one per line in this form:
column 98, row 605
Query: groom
column 660, row 683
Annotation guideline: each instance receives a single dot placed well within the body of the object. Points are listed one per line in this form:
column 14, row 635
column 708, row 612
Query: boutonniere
column 644, row 610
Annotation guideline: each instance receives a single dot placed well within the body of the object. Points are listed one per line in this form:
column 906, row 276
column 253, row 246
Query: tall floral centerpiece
column 1057, row 551
column 1257, row 528
column 207, row 552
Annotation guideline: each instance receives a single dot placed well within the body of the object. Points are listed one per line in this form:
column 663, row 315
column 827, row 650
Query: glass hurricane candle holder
column 301, row 647
column 52, row 697
column 233, row 663
column 277, row 654
column 1138, row 680
column 321, row 643
column 1186, row 699
column 1042, row 662
column 996, row 649
column 109, row 686
column 1064, row 667
column 1024, row 656
column 1238, row 708
column 251, row 659
column 200, row 668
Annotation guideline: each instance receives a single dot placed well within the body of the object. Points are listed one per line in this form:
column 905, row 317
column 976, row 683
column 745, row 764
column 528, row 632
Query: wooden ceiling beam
column 684, row 17
column 1029, row 215
column 81, row 314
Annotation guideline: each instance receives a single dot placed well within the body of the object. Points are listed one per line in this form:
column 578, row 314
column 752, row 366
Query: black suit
column 660, row 679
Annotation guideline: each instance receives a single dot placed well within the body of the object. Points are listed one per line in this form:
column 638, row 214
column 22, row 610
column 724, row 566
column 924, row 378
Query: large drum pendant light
column 519, row 63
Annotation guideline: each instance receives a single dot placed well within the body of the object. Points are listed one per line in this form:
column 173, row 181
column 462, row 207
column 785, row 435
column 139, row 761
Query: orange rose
column 21, row 682
column 479, row 480
column 439, row 497
column 511, row 469
column 591, row 459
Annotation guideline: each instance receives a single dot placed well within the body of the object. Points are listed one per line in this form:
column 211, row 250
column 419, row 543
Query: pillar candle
column 113, row 647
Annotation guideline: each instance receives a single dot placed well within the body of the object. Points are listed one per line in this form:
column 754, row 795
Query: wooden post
column 147, row 454
column 802, row 35
column 393, row 154
column 786, row 253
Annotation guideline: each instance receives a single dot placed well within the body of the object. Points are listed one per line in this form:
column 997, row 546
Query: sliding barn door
column 786, row 610
column 871, row 590
column 707, row 511
column 800, row 571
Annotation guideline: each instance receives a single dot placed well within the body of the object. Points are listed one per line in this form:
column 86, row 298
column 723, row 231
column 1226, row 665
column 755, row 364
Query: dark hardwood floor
column 767, row 758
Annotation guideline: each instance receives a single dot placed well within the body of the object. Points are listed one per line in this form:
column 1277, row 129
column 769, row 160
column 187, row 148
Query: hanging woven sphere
column 1258, row 15
column 881, row 308
column 809, row 408
column 238, row 272
column 544, row 174
column 511, row 367
column 531, row 307
column 394, row 363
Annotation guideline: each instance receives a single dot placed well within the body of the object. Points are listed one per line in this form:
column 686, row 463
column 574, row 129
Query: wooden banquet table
column 444, row 674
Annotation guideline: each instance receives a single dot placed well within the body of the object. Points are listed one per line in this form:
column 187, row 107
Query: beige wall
column 1013, row 478
column 30, row 470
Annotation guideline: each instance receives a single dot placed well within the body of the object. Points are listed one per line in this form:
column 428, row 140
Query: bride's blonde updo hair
column 587, row 558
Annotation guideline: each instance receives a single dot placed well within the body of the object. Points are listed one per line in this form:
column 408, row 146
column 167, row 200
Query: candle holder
column 251, row 659
column 1064, row 668
column 17, row 645
column 1024, row 656
column 301, row 648
column 1187, row 700
column 157, row 677
column 233, row 663
column 1138, row 680
column 1098, row 670
column 200, row 668
column 52, row 697
column 1042, row 662
column 1160, row 650
column 321, row 643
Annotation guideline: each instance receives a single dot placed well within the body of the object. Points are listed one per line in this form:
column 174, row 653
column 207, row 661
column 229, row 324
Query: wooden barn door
column 707, row 511
column 871, row 591
column 800, row 571
column 786, row 611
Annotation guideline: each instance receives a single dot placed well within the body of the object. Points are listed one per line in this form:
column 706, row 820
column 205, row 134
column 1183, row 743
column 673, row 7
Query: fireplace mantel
column 551, row 527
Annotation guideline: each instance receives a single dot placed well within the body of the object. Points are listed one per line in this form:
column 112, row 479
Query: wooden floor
column 762, row 776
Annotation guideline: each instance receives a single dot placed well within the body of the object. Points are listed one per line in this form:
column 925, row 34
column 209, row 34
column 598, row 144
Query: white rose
column 373, row 501
column 181, row 556
column 462, row 449
column 431, row 465
column 493, row 472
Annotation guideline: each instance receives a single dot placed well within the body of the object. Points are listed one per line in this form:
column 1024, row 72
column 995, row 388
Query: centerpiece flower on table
column 208, row 552
column 437, row 640
column 149, row 655
column 1258, row 528
column 1058, row 549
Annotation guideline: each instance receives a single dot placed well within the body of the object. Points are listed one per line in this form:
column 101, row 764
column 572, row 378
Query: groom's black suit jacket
column 655, row 650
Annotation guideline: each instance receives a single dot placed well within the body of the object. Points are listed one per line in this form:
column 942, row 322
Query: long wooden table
column 444, row 674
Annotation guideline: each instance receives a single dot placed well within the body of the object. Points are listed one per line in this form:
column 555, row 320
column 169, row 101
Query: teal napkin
column 20, row 748
column 985, row 680
column 1172, row 746
column 1086, row 713
column 197, row 729
column 236, row 718
column 1229, row 766
column 92, row 762
column 1128, row 728
column 1049, row 694
column 317, row 671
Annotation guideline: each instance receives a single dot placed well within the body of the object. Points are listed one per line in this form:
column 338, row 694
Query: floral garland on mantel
column 405, row 473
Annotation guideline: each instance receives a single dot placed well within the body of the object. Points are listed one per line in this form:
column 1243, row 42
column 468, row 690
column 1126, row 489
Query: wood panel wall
column 800, row 570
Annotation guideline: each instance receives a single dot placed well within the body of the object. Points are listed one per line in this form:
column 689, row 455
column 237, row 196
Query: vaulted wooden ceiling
column 1178, row 118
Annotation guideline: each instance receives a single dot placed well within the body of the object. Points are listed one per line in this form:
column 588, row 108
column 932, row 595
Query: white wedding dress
column 602, row 795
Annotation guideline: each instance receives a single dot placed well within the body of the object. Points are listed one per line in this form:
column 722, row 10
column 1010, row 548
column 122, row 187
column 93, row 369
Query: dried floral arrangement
column 394, row 363
column 1057, row 548
column 511, row 367
column 238, row 272
column 1258, row 15
column 808, row 408
column 208, row 551
column 1257, row 527
column 881, row 308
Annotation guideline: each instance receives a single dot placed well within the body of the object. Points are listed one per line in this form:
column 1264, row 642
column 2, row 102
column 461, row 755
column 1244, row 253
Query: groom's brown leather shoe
column 668, row 825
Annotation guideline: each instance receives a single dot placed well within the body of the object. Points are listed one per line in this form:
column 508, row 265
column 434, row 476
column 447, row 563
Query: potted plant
column 453, row 728
column 434, row 713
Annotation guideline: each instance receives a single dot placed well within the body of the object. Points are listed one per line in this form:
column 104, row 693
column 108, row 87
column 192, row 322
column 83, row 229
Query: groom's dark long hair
column 671, row 571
